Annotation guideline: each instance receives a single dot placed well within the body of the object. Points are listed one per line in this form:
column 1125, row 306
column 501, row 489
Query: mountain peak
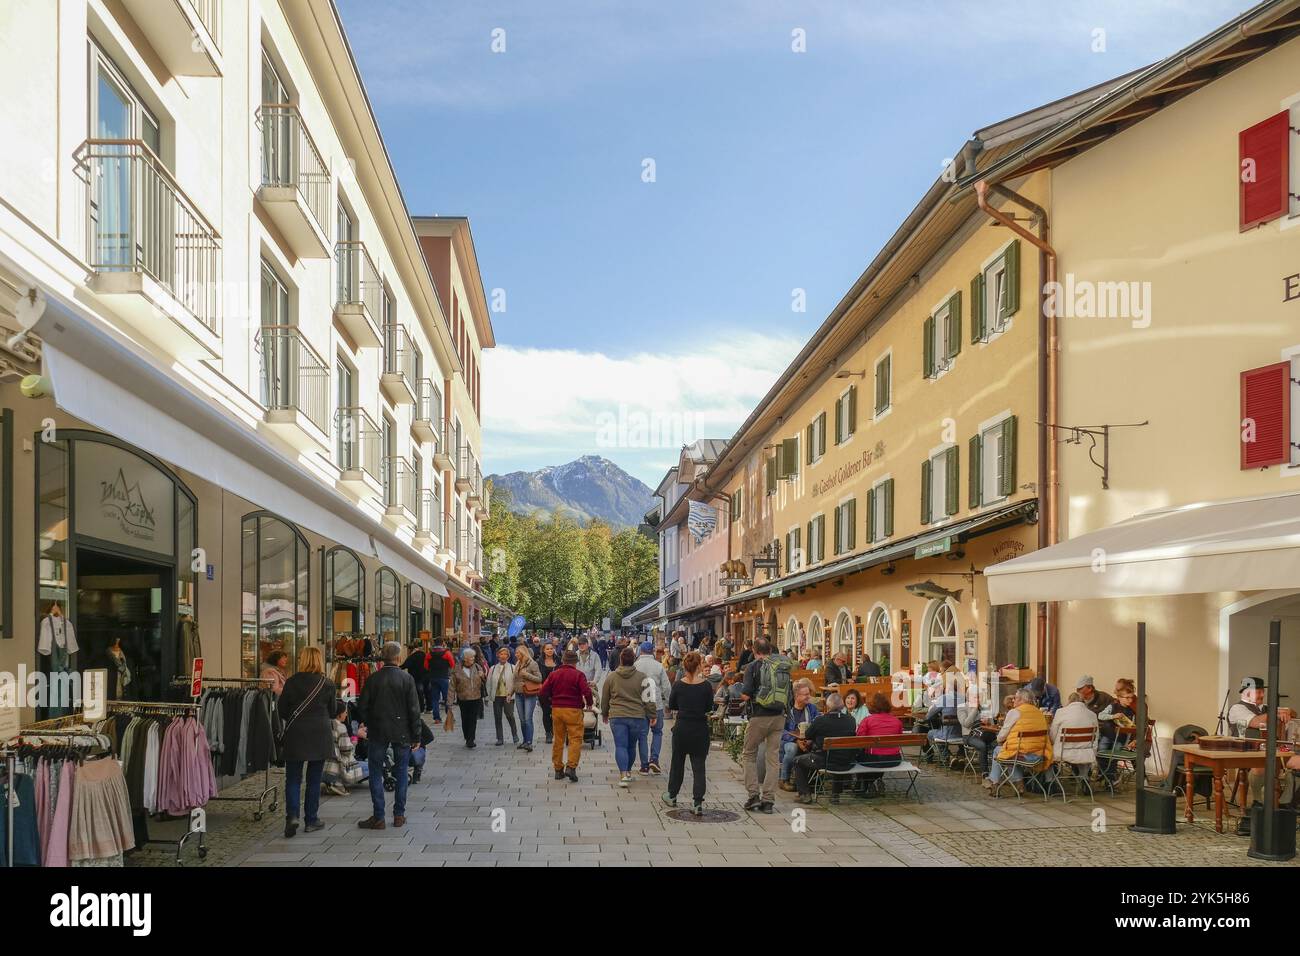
column 589, row 487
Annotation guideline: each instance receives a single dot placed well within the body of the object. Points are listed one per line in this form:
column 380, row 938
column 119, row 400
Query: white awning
column 1247, row 544
column 109, row 384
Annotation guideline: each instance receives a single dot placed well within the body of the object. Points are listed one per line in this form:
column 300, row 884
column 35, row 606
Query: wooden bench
column 831, row 744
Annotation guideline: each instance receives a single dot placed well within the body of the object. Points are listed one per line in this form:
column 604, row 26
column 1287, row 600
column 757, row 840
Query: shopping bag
column 449, row 722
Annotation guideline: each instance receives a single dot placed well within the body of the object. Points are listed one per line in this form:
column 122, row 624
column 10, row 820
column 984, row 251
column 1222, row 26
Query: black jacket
column 311, row 736
column 390, row 708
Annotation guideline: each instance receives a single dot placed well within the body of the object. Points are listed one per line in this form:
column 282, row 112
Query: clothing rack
column 268, row 789
column 145, row 708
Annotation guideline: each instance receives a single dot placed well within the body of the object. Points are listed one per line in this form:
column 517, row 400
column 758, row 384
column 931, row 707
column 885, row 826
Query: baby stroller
column 591, row 736
column 413, row 769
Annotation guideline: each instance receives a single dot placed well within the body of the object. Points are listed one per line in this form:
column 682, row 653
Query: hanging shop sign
column 846, row 472
column 736, row 582
column 931, row 548
column 123, row 499
column 776, row 592
column 764, row 564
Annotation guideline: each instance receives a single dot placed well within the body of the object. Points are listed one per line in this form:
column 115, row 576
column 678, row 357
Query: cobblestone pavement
column 540, row 821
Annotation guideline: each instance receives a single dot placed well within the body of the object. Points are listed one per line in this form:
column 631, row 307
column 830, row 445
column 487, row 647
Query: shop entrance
column 122, row 599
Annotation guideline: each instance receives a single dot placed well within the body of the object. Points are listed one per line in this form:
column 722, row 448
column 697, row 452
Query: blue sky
column 669, row 303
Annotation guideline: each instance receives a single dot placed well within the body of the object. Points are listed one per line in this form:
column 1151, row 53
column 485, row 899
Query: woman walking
column 307, row 706
column 628, row 711
column 528, row 682
column 692, row 699
column 547, row 663
column 467, row 682
column 501, row 688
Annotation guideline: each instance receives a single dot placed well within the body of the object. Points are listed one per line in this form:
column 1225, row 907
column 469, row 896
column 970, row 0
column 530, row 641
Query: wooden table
column 1220, row 762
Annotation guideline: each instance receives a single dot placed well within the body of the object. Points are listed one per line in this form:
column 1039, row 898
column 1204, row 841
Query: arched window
column 345, row 596
column 417, row 619
column 942, row 633
column 881, row 637
column 817, row 636
column 790, row 640
column 274, row 584
column 844, row 635
column 388, row 603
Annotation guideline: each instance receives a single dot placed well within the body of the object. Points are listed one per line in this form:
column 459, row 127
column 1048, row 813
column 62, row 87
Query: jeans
column 439, row 686
column 656, row 742
column 998, row 771
column 629, row 734
column 401, row 761
column 425, row 686
column 502, row 707
column 525, row 705
column 789, row 751
column 293, row 788
column 418, row 756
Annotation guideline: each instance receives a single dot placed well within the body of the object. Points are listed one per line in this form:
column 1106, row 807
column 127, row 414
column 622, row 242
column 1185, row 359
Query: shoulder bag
column 284, row 729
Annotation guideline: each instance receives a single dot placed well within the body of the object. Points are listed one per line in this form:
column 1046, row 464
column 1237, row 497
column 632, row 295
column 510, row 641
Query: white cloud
column 548, row 406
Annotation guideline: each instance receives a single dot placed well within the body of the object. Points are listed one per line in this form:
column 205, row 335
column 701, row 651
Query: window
column 883, row 372
column 388, row 605
column 880, row 511
column 815, row 439
column 769, row 474
column 939, row 485
column 115, row 109
column 274, row 583
column 846, row 520
column 793, row 550
column 881, row 638
column 995, row 294
column 816, row 539
column 943, row 633
column 278, row 357
column 846, row 415
column 388, row 442
column 993, row 463
column 737, row 504
column 942, row 337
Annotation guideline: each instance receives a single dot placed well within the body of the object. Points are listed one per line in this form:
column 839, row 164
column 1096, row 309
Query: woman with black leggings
column 692, row 699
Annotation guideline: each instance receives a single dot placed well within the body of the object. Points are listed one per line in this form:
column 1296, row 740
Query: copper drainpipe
column 1048, row 638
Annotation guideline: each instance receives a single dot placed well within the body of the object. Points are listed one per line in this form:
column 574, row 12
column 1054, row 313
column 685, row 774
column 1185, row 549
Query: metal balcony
column 356, row 451
column 400, row 361
column 474, row 497
column 465, row 551
column 185, row 33
column 359, row 294
column 447, row 543
column 465, row 467
column 149, row 248
column 401, row 492
column 295, row 188
column 295, row 387
column 428, row 524
column 444, row 456
column 427, row 421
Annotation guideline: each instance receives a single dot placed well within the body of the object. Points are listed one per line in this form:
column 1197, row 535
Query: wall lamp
column 846, row 373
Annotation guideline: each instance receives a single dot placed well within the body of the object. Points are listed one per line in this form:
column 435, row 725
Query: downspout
column 1048, row 637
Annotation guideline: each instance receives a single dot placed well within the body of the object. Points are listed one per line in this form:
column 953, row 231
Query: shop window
column 388, row 605
column 274, row 585
column 345, row 601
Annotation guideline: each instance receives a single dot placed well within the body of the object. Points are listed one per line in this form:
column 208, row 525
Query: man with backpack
column 767, row 689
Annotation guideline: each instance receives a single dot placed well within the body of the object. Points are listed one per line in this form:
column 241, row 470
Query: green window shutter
column 853, row 410
column 798, row 546
column 1011, row 281
column 1007, row 460
column 770, row 470
column 808, row 441
column 821, row 434
column 954, row 325
column 926, row 468
column 977, row 321
column 839, row 432
column 791, row 446
column 812, row 546
column 927, row 348
column 889, row 378
column 953, row 502
column 973, row 462
column 852, row 521
column 839, row 544
column 821, row 537
column 871, row 515
column 888, row 489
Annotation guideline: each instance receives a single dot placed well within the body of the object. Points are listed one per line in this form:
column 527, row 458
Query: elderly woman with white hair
column 467, row 682
column 834, row 723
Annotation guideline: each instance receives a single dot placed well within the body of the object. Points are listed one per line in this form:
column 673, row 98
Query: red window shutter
column 1266, row 405
column 1268, row 146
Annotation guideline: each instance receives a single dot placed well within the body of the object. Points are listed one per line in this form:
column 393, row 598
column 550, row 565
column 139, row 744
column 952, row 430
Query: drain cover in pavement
column 709, row 816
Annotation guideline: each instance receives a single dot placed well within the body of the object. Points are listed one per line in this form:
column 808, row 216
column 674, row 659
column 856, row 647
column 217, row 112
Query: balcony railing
column 293, row 376
column 401, row 485
column 290, row 158
column 358, row 279
column 400, row 361
column 466, row 467
column 357, row 445
column 139, row 220
column 428, row 410
column 448, row 539
column 209, row 14
column 429, row 517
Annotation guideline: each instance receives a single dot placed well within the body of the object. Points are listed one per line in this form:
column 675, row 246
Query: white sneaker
column 625, row 780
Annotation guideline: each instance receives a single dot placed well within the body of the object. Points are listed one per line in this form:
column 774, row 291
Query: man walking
column 767, row 689
column 440, row 666
column 656, row 682
column 589, row 663
column 390, row 710
column 567, row 693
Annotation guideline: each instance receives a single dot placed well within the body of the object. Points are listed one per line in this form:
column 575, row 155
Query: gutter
column 1048, row 636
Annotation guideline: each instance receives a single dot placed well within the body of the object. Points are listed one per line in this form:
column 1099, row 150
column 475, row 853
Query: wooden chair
column 1078, row 736
column 1031, row 770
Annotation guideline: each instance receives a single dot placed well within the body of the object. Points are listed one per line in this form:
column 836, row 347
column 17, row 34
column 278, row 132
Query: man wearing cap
column 656, row 683
column 589, row 663
column 567, row 692
column 1095, row 700
column 1248, row 717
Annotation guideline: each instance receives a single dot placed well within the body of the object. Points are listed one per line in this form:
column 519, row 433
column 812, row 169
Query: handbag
column 449, row 722
column 284, row 729
column 531, row 688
